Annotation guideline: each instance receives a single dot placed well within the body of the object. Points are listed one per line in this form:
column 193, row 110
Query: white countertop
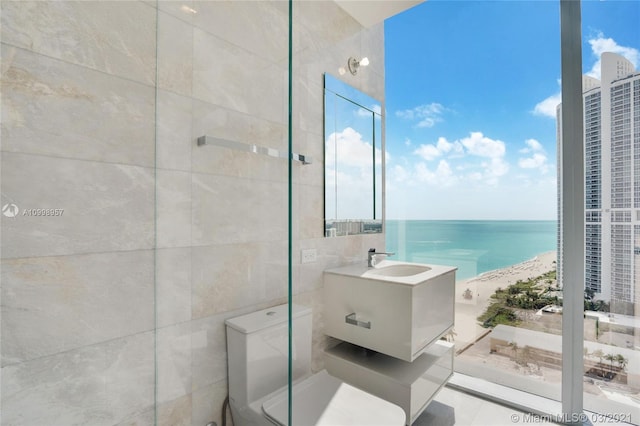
column 361, row 270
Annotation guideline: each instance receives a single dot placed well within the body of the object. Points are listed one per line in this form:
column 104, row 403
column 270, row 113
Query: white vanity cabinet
column 391, row 319
column 397, row 315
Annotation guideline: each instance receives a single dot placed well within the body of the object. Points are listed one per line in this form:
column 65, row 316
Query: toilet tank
column 257, row 351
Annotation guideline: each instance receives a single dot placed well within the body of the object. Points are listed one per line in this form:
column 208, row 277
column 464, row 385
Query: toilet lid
column 325, row 400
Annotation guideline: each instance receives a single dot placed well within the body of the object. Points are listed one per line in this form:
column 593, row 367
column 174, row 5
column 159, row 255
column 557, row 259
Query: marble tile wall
column 113, row 312
column 78, row 135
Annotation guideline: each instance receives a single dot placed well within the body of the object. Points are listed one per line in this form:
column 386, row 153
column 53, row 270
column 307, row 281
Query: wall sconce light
column 354, row 64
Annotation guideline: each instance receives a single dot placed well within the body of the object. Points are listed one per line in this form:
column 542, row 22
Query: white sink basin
column 397, row 270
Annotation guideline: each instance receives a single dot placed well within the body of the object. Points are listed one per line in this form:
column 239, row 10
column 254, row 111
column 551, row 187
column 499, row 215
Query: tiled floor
column 452, row 407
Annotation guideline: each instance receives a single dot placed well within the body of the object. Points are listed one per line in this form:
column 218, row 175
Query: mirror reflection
column 352, row 159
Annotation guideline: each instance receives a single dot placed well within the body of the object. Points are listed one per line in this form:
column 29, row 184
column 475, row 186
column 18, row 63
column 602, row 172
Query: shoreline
column 531, row 268
column 523, row 263
column 473, row 295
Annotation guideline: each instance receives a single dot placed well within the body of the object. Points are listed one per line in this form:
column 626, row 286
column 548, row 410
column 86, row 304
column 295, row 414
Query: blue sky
column 471, row 89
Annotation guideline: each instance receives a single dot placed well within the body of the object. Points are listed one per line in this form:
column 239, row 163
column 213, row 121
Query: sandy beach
column 483, row 286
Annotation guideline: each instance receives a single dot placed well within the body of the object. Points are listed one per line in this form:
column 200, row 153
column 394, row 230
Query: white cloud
column 479, row 177
column 498, row 167
column 488, row 170
column 535, row 162
column 532, row 146
column 449, row 147
column 428, row 152
column 399, row 174
column 427, row 115
column 547, row 107
column 537, row 158
column 476, row 161
column 482, row 146
column 493, row 170
column 441, row 176
column 493, row 149
column 352, row 149
column 364, row 112
column 352, row 171
column 600, row 44
column 443, row 146
column 476, row 144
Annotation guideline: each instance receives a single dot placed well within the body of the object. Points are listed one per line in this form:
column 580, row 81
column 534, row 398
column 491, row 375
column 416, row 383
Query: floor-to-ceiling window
column 446, row 208
column 471, row 176
column 611, row 96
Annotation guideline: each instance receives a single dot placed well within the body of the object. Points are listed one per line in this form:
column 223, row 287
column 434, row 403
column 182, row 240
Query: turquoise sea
column 474, row 246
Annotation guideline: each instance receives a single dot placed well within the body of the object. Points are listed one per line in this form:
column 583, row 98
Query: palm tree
column 585, row 355
column 589, row 293
column 621, row 361
column 514, row 348
column 610, row 358
column 525, row 355
column 599, row 354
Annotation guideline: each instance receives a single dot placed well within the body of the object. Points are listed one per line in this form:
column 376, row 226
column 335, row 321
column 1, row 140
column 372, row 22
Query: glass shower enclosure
column 161, row 172
column 126, row 243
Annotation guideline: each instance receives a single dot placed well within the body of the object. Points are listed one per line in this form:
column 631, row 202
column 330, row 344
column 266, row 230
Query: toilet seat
column 324, row 400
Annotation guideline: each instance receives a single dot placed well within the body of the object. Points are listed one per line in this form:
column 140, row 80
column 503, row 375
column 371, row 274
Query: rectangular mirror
column 352, row 160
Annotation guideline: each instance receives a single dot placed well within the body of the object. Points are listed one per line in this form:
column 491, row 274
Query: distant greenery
column 594, row 305
column 533, row 294
column 599, row 369
column 498, row 314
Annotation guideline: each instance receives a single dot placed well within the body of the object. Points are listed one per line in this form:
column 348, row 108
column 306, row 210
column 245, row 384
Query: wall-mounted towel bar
column 239, row 146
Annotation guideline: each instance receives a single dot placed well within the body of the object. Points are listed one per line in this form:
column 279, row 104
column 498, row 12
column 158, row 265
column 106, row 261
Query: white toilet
column 257, row 345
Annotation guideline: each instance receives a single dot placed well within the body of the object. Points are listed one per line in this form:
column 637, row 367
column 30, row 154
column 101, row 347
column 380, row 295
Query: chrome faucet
column 373, row 252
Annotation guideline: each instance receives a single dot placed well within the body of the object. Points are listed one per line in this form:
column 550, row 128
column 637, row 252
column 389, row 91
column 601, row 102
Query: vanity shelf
column 410, row 385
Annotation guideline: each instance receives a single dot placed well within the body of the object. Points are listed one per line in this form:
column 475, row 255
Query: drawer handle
column 351, row 319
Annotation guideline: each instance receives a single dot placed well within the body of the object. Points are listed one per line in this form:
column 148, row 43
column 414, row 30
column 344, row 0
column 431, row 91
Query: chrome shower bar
column 244, row 147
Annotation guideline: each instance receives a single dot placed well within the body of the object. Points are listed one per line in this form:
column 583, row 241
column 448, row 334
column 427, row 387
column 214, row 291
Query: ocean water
column 474, row 246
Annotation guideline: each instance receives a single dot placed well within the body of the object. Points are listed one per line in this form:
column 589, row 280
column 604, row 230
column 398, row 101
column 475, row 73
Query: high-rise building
column 612, row 183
